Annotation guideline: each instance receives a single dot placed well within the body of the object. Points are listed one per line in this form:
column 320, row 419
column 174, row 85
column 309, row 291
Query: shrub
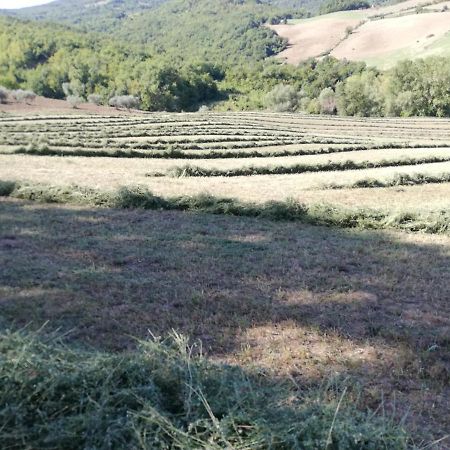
column 74, row 88
column 327, row 101
column 124, row 101
column 23, row 96
column 74, row 101
column 95, row 99
column 282, row 98
column 310, row 105
column 360, row 95
column 3, row 94
column 203, row 109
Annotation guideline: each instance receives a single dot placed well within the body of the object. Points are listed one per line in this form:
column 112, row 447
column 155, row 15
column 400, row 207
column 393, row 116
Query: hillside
column 213, row 30
column 380, row 36
column 89, row 14
column 111, row 14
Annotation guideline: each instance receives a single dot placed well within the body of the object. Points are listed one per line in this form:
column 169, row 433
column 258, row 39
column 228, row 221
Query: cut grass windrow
column 174, row 153
column 165, row 396
column 195, row 171
column 288, row 210
column 401, row 179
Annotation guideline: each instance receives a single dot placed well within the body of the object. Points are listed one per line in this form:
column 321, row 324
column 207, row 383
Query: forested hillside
column 185, row 54
column 87, row 14
column 104, row 15
column 45, row 57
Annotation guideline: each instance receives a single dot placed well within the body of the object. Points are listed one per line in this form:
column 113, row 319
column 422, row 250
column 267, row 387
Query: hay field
column 216, row 236
column 254, row 157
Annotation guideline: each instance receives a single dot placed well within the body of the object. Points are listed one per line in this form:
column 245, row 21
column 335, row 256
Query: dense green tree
column 360, row 95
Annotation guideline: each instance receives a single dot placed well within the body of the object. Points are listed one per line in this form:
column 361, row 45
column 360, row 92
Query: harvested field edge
column 437, row 222
column 400, row 179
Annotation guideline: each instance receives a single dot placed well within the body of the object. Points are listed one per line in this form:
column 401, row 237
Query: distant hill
column 212, row 30
column 380, row 36
column 104, row 15
column 95, row 15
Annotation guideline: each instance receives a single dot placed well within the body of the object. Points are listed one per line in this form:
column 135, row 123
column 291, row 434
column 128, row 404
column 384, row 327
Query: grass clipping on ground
column 289, row 210
column 165, row 395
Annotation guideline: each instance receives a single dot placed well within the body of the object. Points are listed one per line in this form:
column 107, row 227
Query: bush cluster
column 125, row 101
column 412, row 88
column 4, row 93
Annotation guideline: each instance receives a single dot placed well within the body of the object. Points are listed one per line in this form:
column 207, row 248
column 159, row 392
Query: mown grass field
column 300, row 248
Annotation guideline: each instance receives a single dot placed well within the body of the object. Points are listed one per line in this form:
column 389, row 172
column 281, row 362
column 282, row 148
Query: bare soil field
column 411, row 34
column 313, row 39
column 379, row 36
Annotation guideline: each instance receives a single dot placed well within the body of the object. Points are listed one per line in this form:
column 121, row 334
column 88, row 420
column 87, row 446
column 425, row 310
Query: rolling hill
column 104, row 15
column 89, row 14
column 211, row 30
column 379, row 36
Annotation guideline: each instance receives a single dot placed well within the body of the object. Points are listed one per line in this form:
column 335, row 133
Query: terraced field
column 250, row 157
column 114, row 226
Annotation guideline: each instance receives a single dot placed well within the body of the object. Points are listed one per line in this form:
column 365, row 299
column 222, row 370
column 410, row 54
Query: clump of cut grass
column 288, row 210
column 7, row 188
column 401, row 179
column 161, row 396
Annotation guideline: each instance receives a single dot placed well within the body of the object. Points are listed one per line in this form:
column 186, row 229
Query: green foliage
column 360, row 95
column 282, row 98
column 57, row 63
column 3, row 94
column 327, row 101
column 88, row 14
column 188, row 54
column 424, row 86
column 343, row 5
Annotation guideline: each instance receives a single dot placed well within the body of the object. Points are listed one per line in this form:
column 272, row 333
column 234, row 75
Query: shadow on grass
column 372, row 305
